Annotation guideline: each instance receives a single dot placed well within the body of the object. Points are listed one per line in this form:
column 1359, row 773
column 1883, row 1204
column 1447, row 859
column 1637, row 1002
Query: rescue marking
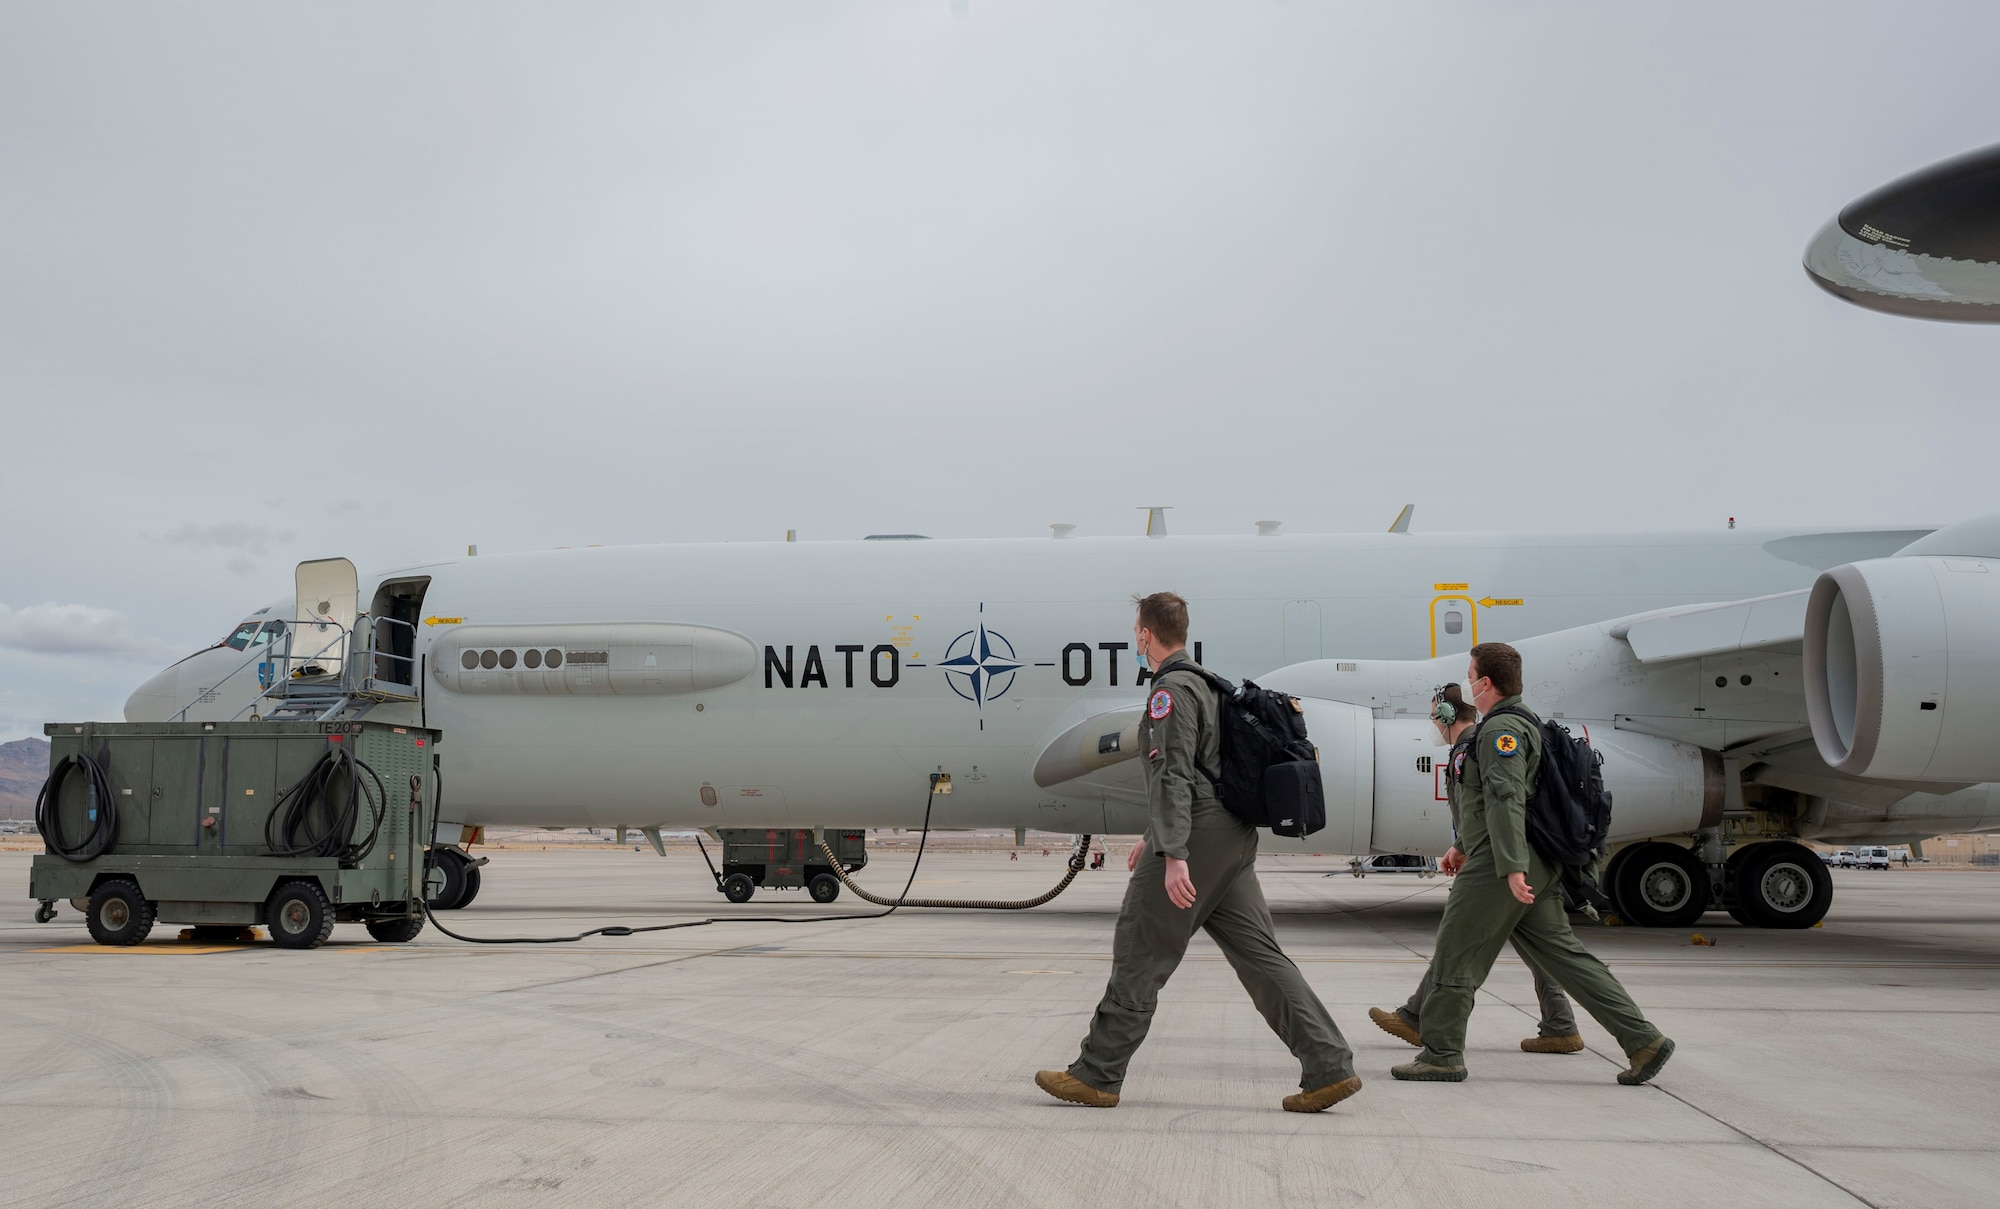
column 1450, row 587
column 1490, row 602
column 444, row 621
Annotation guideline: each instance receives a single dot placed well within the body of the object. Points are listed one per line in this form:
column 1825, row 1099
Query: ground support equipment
column 291, row 825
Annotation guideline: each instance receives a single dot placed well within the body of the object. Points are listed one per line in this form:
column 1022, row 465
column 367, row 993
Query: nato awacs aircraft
column 1746, row 690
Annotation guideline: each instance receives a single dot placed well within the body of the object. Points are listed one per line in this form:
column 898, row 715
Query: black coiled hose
column 48, row 819
column 310, row 821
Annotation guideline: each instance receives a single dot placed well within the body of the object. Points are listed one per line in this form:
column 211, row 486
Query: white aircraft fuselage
column 823, row 683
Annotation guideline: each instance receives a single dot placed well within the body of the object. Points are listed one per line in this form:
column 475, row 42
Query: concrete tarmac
column 888, row 1062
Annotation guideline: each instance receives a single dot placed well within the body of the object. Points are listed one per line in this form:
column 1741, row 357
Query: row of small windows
column 529, row 658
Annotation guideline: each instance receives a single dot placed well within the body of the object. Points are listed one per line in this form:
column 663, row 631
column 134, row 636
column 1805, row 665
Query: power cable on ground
column 903, row 900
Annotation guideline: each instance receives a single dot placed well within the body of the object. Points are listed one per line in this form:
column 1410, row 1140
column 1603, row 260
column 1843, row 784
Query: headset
column 1442, row 711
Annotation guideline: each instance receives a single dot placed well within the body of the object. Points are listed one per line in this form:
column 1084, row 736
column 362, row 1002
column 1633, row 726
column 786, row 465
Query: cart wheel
column 45, row 913
column 299, row 916
column 397, row 929
column 119, row 913
column 825, row 888
column 738, row 887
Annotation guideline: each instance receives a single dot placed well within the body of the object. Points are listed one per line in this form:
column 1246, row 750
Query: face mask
column 1437, row 736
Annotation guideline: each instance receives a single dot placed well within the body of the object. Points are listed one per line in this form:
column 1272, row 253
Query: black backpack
column 1569, row 810
column 1270, row 771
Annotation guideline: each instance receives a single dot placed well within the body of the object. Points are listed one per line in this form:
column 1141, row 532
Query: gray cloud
column 77, row 629
column 245, row 544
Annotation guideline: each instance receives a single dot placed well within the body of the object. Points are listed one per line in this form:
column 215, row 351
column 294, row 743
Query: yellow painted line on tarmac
column 171, row 948
column 176, row 948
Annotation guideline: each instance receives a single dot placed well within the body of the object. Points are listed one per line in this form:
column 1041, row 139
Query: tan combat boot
column 1647, row 1061
column 1325, row 1097
column 1572, row 1044
column 1424, row 1072
column 1395, row 1026
column 1065, row 1086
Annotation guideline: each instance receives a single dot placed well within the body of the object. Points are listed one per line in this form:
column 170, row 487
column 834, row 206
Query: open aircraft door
column 328, row 601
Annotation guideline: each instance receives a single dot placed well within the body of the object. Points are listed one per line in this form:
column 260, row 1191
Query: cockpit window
column 254, row 633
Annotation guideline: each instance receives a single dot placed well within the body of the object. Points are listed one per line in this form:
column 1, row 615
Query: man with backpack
column 1454, row 718
column 1508, row 890
column 1194, row 869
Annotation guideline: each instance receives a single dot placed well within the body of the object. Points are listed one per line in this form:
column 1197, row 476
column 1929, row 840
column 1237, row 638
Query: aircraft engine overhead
column 1926, row 246
column 1745, row 690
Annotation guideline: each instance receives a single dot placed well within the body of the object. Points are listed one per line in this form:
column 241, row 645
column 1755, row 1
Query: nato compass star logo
column 980, row 665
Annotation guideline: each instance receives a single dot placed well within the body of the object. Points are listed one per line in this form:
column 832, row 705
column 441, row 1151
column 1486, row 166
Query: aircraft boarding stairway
column 334, row 662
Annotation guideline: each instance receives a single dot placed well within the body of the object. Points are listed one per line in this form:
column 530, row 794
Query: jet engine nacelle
column 1385, row 781
column 1902, row 667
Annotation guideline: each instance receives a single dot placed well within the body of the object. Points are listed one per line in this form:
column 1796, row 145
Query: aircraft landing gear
column 1779, row 884
column 1658, row 885
column 452, row 881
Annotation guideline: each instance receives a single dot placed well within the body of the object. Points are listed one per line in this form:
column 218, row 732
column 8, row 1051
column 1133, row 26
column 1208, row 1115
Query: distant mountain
column 24, row 765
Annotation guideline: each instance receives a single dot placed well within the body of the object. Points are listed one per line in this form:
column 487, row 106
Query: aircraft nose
column 154, row 700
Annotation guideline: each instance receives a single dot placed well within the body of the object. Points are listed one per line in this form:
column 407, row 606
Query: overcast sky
column 282, row 281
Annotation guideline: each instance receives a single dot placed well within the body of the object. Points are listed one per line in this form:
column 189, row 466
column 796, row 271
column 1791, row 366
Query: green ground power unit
column 222, row 825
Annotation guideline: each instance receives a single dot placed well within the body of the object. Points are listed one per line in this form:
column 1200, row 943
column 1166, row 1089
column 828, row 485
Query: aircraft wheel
column 824, row 888
column 1783, row 885
column 471, row 886
column 119, row 914
column 444, row 881
column 738, row 887
column 1661, row 885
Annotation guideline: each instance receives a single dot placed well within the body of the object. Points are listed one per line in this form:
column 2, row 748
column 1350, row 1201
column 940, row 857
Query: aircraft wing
column 1762, row 623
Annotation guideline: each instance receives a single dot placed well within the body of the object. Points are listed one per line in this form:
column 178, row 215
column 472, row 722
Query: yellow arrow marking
column 444, row 621
column 1449, row 587
column 1489, row 601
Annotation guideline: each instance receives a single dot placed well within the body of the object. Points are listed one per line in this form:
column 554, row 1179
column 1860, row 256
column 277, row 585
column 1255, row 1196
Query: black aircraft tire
column 824, row 888
column 1784, row 885
column 1608, row 879
column 445, row 880
column 119, row 914
column 471, row 888
column 396, row 930
column 738, row 887
column 299, row 916
column 1661, row 886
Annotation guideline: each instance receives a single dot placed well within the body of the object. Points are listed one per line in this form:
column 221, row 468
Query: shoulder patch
column 1160, row 706
column 1506, row 744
